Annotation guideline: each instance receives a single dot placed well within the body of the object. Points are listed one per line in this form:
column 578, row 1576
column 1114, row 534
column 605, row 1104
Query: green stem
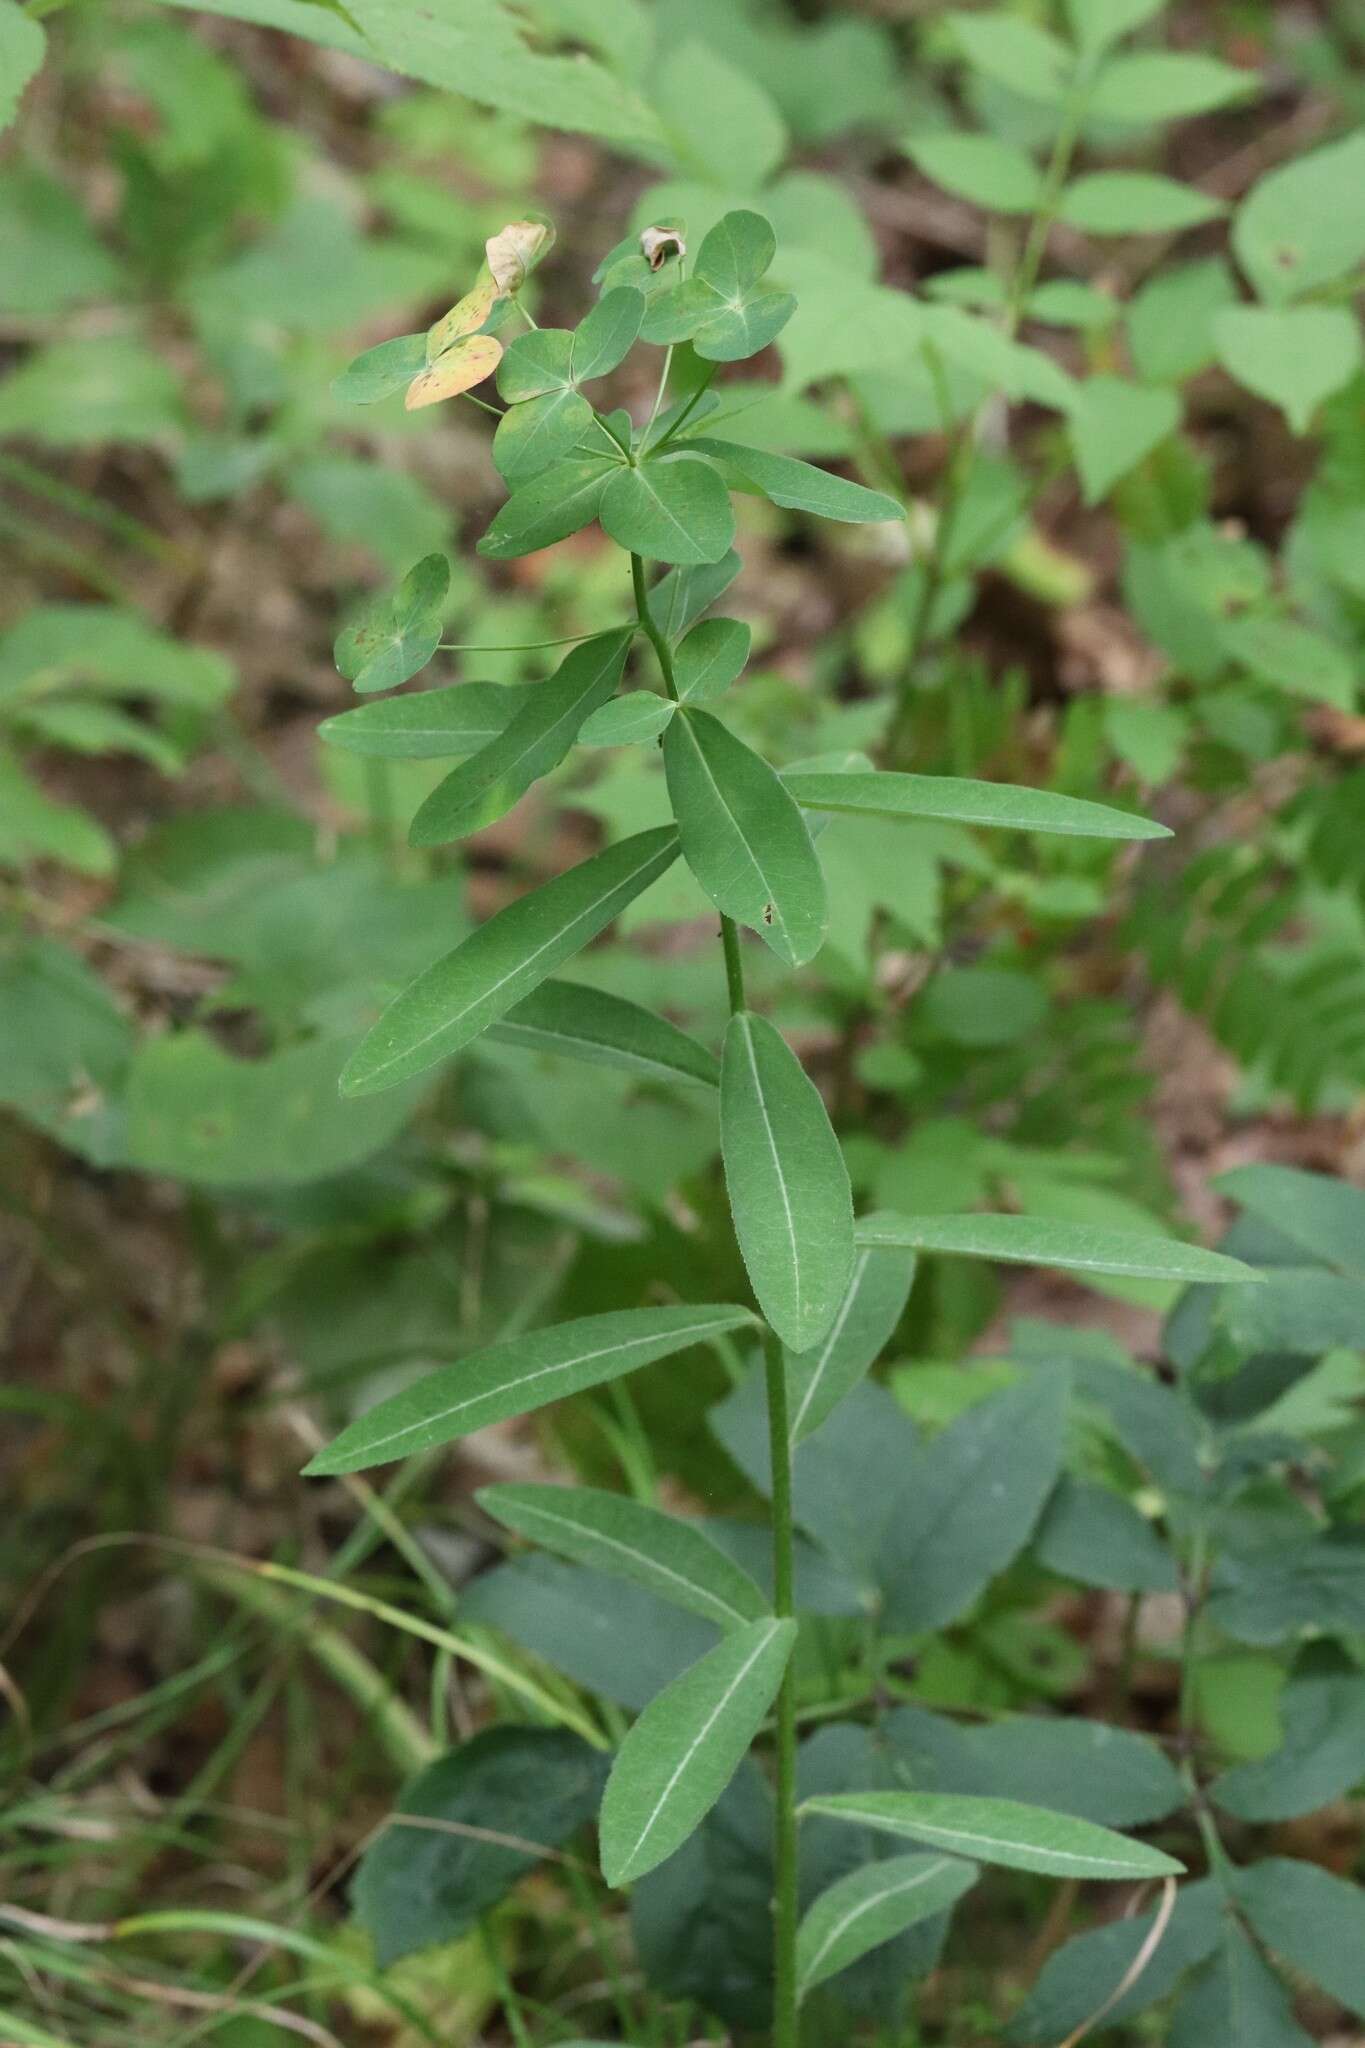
column 515, row 646
column 786, row 1900
column 650, row 629
column 687, row 410
column 734, row 964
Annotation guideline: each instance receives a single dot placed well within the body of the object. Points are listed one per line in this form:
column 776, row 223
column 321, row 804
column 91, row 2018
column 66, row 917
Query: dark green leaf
column 1092, row 1534
column 627, row 721
column 517, row 1376
column 874, row 1905
column 1086, row 1768
column 505, row 959
column 1321, row 1756
column 953, row 799
column 606, row 335
column 702, row 1922
column 623, row 1538
column 429, row 726
column 672, row 508
column 1313, row 1921
column 553, row 505
column 710, row 658
column 535, row 364
column 536, row 740
column 1000, row 1831
column 723, row 309
column 1236, row 1998
column 1265, row 1596
column 381, row 371
column 799, row 486
column 1039, row 1241
column 590, row 1024
column 686, row 1746
column 684, row 594
column 532, row 436
column 787, row 1182
column 1087, row 1970
column 817, row 1380
column 743, row 836
column 396, row 635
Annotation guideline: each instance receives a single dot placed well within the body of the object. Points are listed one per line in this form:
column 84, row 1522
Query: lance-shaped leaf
column 625, row 1539
column 999, row 1831
column 532, row 436
column 381, row 371
column 537, row 739
column 873, row 1905
column 744, row 837
column 684, row 593
column 553, row 505
column 501, row 962
column 672, row 508
column 817, row 1380
column 963, row 802
column 396, row 634
column 798, row 486
column 686, row 1746
column 787, row 1182
column 437, row 723
column 606, row 1030
column 627, row 721
column 710, row 658
column 517, row 1376
column 1071, row 1247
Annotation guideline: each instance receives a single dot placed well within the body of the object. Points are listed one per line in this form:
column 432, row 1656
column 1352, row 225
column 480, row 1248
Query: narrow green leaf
column 382, row 371
column 954, row 798
column 874, row 1905
column 395, row 636
column 536, row 740
column 1167, row 85
column 627, row 721
column 625, row 1539
column 514, row 1377
column 606, row 1030
column 709, row 659
column 1071, row 1247
column 800, row 486
column 744, row 837
column 980, row 168
column 532, row 436
column 553, row 505
column 673, row 508
column 1135, row 203
column 686, row 1746
column 817, row 1380
column 607, row 334
column 684, row 594
column 501, row 962
column 999, row 1831
column 428, row 727
column 787, row 1182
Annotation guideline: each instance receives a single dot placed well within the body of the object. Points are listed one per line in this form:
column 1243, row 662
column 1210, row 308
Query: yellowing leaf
column 461, row 367
column 466, row 316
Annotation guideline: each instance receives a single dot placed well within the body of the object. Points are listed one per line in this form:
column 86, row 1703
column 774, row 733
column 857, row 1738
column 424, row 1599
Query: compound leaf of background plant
column 1093, row 1535
column 517, row 1376
column 382, row 371
column 625, row 1539
column 1312, row 1920
column 606, row 335
column 1041, row 1241
column 990, row 173
column 1134, row 203
column 743, row 836
column 708, row 660
column 671, row 508
column 1113, row 425
column 1303, row 225
column 1000, row 1831
column 396, row 634
column 818, row 1379
column 486, row 786
column 466, row 1828
column 627, row 721
column 1095, row 24
column 722, row 122
column 686, row 1746
column 799, row 486
column 553, row 505
column 1295, row 356
column 431, row 726
column 1013, row 53
column 1322, row 1714
column 872, row 1905
column 1236, row 1996
column 1087, row 1970
column 500, row 963
column 608, row 1030
column 1293, row 658
column 1068, row 1765
column 961, row 801
column 787, row 1182
column 530, row 437
column 1166, row 85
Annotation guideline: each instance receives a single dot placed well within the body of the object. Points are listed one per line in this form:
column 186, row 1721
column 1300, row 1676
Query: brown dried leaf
column 515, row 251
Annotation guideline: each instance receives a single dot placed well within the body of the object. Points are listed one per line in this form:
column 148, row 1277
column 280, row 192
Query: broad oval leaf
column 627, row 721
column 873, row 1905
column 535, row 364
column 605, row 336
column 501, row 962
column 381, row 371
column 1000, row 1831
column 1072, row 1247
column 457, row 719
column 686, row 1746
column 787, row 1183
column 800, row 486
column 396, row 634
column 517, row 1376
column 553, row 505
column 674, row 508
column 709, row 659
column 536, row 740
column 532, row 436
column 1009, row 806
column 744, row 837
column 626, row 1539
column 817, row 1380
column 606, row 1030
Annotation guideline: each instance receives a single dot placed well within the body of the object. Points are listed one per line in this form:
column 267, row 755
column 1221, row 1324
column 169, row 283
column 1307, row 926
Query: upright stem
column 651, row 631
column 786, row 1895
column 734, row 964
